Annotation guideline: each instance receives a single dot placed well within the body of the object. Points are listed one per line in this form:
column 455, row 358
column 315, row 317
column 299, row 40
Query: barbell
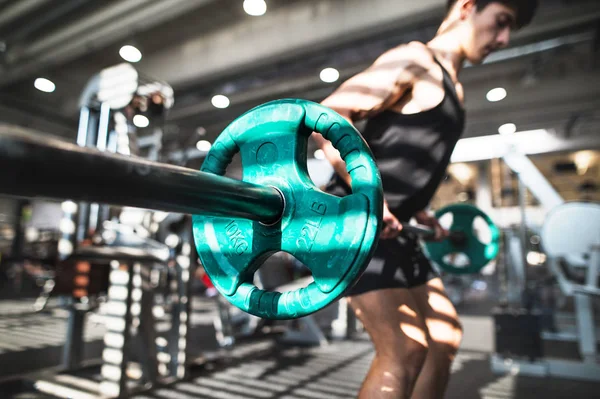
column 236, row 224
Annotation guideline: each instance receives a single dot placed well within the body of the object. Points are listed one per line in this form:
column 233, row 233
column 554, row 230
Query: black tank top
column 412, row 151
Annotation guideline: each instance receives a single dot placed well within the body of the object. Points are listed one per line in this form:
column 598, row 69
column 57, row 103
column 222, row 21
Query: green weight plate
column 478, row 253
column 334, row 237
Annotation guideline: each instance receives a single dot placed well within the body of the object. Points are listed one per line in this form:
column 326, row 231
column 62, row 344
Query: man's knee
column 405, row 361
column 445, row 336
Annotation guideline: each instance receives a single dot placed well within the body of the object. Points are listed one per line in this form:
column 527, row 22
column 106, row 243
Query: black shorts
column 397, row 263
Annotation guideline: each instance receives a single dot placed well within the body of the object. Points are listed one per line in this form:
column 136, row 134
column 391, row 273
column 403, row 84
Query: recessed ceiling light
column 507, row 128
column 256, row 8
column 203, row 145
column 220, row 101
column 497, row 94
column 130, row 53
column 45, row 85
column 329, row 75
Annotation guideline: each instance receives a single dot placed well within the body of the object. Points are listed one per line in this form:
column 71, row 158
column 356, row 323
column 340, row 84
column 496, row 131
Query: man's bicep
column 365, row 92
column 376, row 88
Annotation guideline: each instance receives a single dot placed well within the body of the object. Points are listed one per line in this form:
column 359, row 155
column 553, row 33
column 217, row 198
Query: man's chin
column 477, row 60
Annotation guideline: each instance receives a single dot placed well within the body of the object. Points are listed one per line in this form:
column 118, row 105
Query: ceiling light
column 583, row 161
column 497, row 94
column 45, row 85
column 203, row 145
column 329, row 75
column 461, row 172
column 255, row 8
column 130, row 53
column 220, row 101
column 140, row 121
column 507, row 128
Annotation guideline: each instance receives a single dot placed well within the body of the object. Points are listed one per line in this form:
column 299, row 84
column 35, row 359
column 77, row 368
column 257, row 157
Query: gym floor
column 261, row 368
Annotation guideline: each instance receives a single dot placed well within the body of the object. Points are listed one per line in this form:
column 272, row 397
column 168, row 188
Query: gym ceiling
column 208, row 47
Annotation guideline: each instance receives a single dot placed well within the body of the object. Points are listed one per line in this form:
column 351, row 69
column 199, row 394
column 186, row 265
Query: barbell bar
column 456, row 237
column 80, row 174
column 37, row 166
column 236, row 224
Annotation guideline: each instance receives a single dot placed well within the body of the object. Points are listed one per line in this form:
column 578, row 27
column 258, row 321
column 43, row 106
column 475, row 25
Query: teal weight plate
column 478, row 253
column 334, row 237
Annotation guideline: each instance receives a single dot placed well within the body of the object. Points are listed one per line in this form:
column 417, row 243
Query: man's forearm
column 333, row 155
column 421, row 213
column 340, row 169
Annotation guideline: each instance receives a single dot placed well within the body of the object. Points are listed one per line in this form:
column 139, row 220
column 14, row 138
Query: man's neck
column 448, row 51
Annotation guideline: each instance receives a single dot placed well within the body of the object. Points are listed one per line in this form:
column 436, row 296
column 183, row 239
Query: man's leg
column 398, row 333
column 444, row 333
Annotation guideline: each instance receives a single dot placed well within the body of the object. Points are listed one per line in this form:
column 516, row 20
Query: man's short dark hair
column 525, row 8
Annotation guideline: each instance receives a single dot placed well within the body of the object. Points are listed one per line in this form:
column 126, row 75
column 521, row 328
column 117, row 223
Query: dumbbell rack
column 139, row 353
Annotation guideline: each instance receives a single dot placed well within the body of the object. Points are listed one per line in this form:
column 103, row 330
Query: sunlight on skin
column 436, row 283
column 382, row 84
column 387, row 374
column 354, row 101
column 443, row 332
column 414, row 333
column 411, row 108
column 441, row 305
column 407, row 311
column 411, row 331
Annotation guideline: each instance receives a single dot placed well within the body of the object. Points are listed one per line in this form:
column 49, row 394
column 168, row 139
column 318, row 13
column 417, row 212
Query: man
column 413, row 103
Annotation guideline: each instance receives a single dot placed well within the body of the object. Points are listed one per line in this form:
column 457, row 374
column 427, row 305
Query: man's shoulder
column 409, row 53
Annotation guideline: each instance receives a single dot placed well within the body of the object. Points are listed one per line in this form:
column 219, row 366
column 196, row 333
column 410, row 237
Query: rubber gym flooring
column 260, row 369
